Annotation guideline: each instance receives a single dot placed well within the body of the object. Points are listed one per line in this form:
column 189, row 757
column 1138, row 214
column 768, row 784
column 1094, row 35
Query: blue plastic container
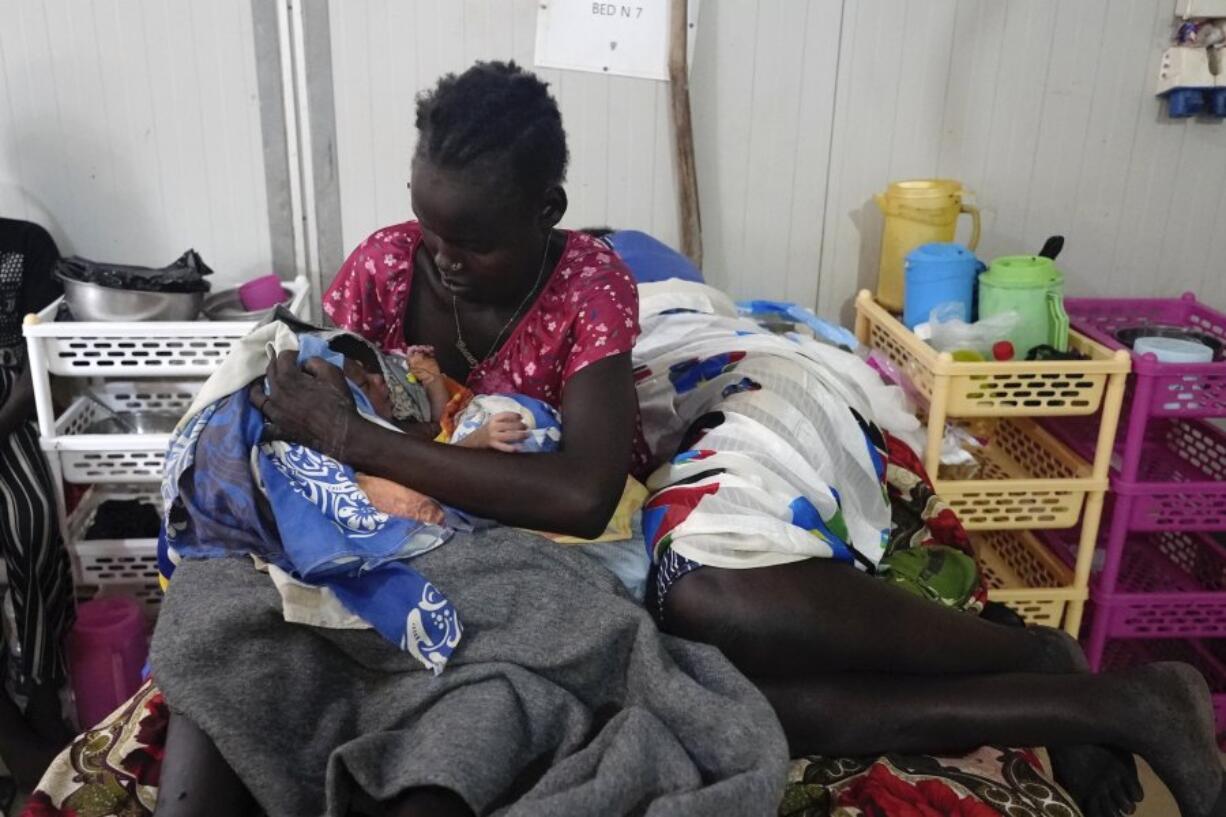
column 1217, row 102
column 939, row 274
column 1182, row 103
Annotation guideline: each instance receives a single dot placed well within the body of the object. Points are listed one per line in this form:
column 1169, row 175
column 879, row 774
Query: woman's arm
column 573, row 491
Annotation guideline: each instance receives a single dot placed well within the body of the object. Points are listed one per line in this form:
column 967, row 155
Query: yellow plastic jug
column 919, row 211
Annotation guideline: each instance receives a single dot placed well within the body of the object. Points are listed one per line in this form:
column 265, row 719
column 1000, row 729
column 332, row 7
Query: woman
column 39, row 577
column 852, row 664
column 509, row 303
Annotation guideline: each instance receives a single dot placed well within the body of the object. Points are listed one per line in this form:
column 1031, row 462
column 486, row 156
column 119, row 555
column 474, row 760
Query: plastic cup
column 264, row 292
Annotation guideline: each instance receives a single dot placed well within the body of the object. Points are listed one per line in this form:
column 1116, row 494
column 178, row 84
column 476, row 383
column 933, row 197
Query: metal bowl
column 227, row 306
column 93, row 302
column 1132, row 334
column 135, row 422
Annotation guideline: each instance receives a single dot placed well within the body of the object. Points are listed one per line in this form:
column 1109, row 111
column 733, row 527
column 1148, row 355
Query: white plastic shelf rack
column 139, row 348
column 128, row 366
column 107, row 567
column 117, row 458
column 130, row 350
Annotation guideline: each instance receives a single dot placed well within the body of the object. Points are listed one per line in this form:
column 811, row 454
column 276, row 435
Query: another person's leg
column 819, row 616
column 1161, row 712
column 196, row 781
column 812, row 621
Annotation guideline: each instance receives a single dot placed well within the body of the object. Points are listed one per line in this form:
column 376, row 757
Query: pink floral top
column 588, row 310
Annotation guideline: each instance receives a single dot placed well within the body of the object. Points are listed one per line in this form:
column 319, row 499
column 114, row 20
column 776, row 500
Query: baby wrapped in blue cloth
column 228, row 493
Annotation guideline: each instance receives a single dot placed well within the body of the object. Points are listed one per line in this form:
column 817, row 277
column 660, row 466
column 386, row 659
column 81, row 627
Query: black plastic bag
column 125, row 519
column 185, row 274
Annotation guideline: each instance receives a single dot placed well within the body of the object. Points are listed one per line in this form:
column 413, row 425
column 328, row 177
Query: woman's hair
column 494, row 110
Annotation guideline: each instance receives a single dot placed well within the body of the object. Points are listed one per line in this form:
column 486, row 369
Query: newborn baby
column 508, row 423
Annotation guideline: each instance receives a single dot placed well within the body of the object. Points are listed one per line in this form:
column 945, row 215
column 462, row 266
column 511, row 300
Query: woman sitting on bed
column 561, row 697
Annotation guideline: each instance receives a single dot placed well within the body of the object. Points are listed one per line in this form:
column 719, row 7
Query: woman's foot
column 1101, row 780
column 1178, row 736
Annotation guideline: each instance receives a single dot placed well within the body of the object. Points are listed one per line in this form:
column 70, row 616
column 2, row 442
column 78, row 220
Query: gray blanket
column 562, row 699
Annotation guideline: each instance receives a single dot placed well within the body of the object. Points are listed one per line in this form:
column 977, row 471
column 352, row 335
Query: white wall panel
column 1045, row 109
column 131, row 129
column 763, row 88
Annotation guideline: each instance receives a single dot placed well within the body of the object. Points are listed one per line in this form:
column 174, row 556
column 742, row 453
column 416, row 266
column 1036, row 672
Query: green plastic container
column 1031, row 286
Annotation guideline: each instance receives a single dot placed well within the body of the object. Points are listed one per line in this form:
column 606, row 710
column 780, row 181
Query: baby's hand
column 423, row 364
column 502, row 432
column 506, row 431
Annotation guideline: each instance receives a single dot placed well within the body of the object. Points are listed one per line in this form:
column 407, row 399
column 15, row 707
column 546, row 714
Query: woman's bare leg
column 1161, row 712
column 812, row 618
column 196, row 780
column 820, row 616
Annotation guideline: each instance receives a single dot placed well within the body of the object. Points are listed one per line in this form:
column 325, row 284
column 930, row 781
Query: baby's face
column 374, row 386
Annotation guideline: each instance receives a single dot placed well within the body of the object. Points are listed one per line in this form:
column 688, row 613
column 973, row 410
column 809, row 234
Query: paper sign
column 628, row 39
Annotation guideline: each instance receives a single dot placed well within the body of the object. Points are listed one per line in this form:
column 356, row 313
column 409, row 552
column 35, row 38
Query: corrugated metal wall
column 804, row 109
column 131, row 129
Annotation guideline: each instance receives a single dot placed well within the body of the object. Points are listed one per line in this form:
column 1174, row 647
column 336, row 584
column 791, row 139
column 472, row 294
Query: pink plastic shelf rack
column 1207, row 655
column 1180, row 475
column 1170, row 584
column 1161, row 389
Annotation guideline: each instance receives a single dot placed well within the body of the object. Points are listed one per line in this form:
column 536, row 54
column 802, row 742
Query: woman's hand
column 310, row 404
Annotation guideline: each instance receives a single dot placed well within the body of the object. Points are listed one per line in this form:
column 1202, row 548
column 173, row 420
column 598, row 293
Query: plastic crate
column 1162, row 389
column 1205, row 654
column 139, row 349
column 107, row 567
column 1181, row 479
column 1022, row 573
column 1170, row 584
column 1180, row 473
column 991, row 389
column 117, row 458
column 1027, row 479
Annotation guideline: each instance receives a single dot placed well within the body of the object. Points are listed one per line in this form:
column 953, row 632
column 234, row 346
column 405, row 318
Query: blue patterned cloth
column 317, row 524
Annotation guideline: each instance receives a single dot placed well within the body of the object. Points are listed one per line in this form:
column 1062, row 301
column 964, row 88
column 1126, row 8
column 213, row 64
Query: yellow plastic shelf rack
column 1026, row 479
column 1020, row 388
column 1022, row 573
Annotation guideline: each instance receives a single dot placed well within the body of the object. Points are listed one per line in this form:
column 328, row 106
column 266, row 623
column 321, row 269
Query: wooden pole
column 683, row 131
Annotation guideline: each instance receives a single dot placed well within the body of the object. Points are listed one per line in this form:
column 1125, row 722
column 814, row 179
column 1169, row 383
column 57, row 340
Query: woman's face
column 481, row 235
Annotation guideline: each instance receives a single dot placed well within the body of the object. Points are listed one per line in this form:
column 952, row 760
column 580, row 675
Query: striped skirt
column 39, row 572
